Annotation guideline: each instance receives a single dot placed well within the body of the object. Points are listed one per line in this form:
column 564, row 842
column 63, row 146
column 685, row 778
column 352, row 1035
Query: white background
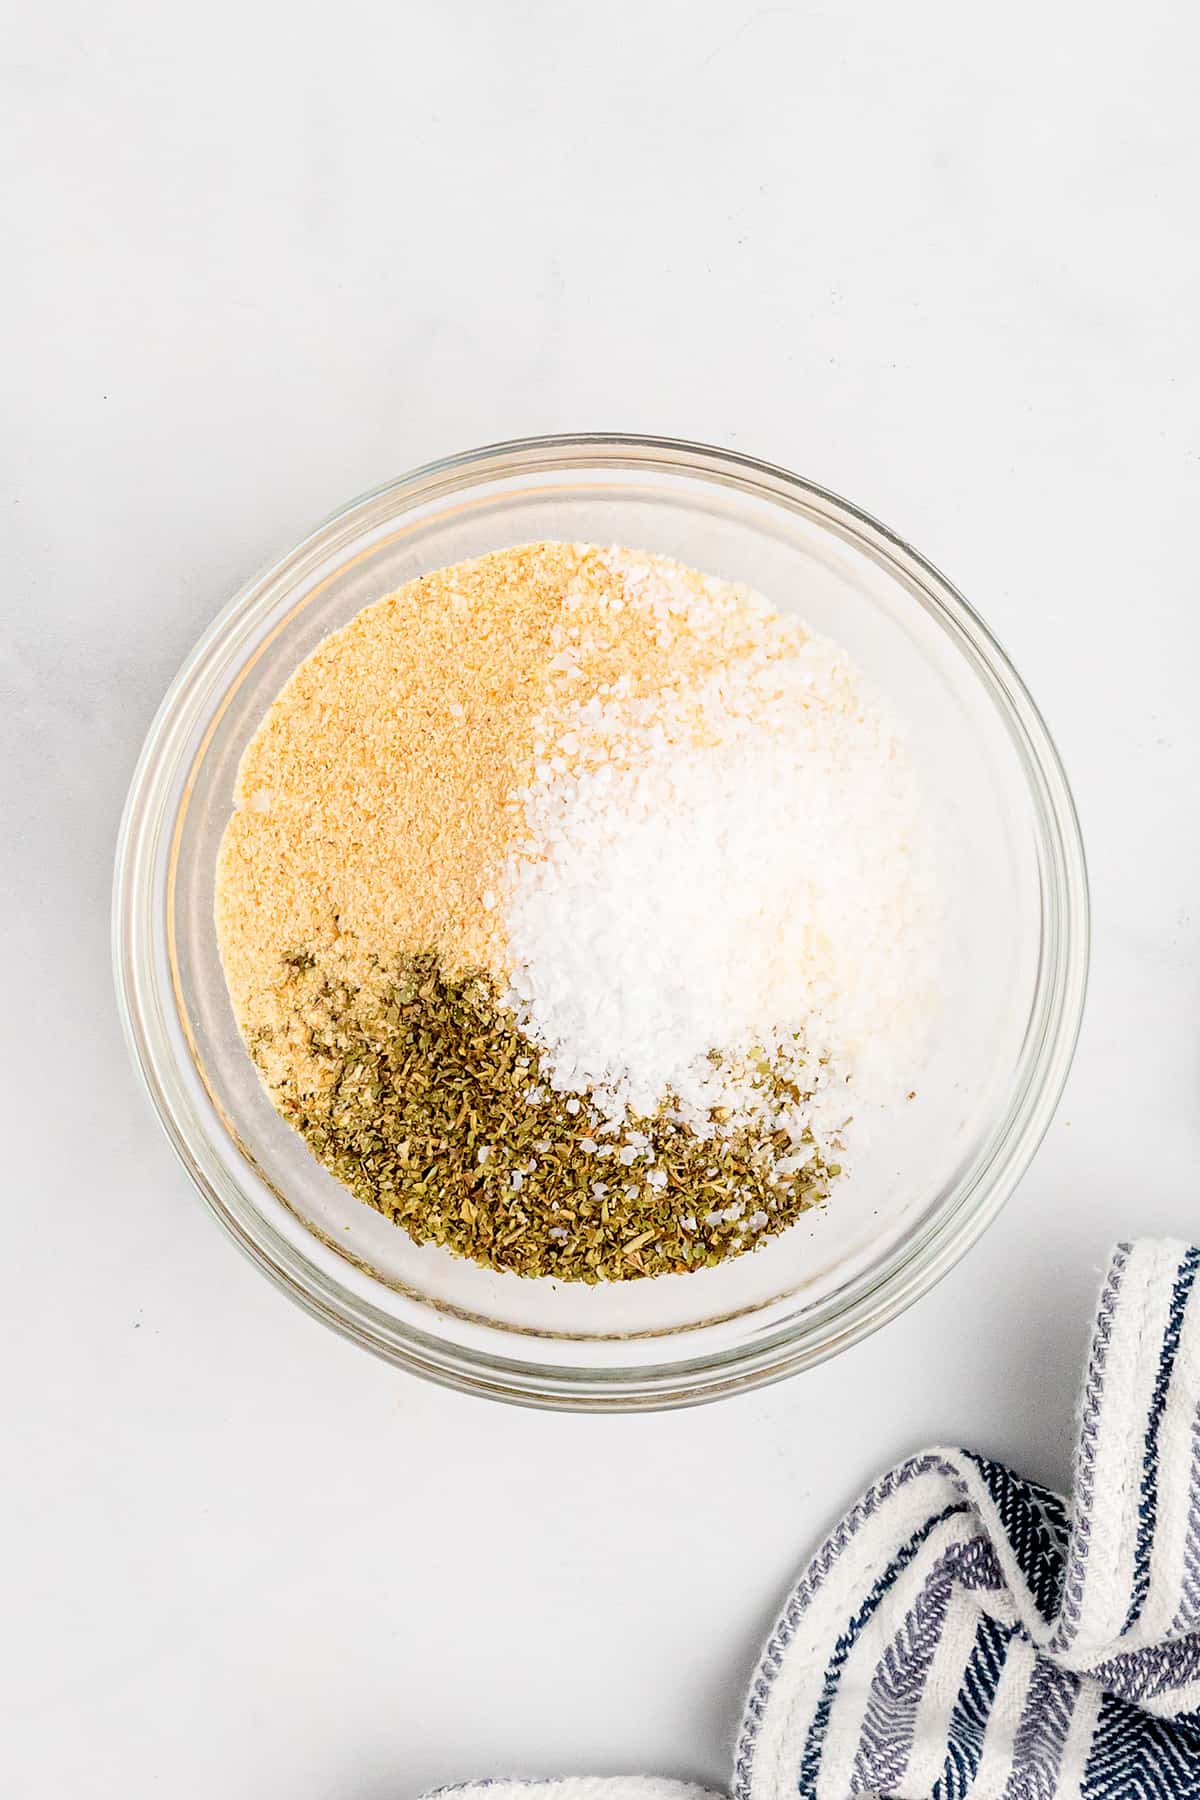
column 260, row 256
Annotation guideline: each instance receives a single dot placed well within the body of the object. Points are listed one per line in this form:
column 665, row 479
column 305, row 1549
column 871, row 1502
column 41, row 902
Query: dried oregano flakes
column 433, row 1110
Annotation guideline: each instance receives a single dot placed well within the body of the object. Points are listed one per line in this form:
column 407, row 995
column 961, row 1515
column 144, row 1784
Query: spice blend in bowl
column 997, row 967
column 579, row 910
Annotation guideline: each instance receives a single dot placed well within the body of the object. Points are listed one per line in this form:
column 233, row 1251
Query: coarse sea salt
column 735, row 869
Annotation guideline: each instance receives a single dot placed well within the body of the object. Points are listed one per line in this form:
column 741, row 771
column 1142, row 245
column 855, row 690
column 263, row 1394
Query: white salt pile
column 723, row 876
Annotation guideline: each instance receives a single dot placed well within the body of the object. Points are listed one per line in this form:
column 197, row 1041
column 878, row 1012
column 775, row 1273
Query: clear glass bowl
column 1016, row 947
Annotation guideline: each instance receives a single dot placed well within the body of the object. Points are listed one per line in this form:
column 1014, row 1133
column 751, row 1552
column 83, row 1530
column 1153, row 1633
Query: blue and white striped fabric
column 965, row 1635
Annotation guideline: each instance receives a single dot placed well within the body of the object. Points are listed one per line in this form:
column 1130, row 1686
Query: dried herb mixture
column 431, row 1108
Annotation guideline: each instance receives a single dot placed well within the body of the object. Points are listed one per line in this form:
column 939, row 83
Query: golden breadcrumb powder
column 375, row 798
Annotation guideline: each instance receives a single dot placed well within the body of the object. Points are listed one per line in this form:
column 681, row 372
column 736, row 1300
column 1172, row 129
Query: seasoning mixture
column 577, row 909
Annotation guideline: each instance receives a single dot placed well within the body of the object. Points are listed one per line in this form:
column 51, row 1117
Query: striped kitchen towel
column 966, row 1635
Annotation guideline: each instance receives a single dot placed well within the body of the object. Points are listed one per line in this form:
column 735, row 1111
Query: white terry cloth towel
column 964, row 1634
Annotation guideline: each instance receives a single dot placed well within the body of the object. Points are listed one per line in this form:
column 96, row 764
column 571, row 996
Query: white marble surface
column 261, row 256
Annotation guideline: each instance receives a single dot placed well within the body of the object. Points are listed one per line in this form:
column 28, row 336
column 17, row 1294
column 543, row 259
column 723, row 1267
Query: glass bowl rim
column 917, row 1265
